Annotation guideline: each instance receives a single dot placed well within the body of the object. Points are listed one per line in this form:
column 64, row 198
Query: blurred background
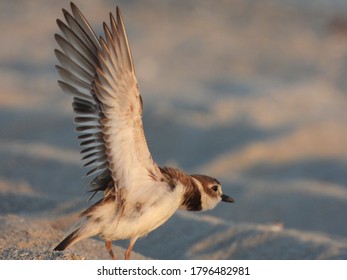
column 251, row 92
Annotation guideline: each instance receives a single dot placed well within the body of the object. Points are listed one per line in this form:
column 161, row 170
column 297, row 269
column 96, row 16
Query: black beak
column 226, row 198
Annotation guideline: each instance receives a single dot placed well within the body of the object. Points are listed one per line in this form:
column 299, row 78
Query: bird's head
column 211, row 191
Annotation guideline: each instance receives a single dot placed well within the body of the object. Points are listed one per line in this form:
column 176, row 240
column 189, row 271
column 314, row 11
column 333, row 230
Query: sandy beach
column 251, row 92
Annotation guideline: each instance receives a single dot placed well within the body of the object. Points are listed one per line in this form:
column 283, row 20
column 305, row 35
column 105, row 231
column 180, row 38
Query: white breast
column 144, row 211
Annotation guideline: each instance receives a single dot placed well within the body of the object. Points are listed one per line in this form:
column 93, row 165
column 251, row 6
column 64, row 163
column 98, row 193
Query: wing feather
column 77, row 42
column 74, row 91
column 78, row 58
column 99, row 74
column 85, row 26
column 75, row 55
column 73, row 80
column 69, row 65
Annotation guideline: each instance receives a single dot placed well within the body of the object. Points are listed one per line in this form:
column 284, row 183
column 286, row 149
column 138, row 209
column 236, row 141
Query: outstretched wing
column 99, row 73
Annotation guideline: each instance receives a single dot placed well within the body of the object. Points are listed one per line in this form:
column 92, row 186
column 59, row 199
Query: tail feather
column 67, row 242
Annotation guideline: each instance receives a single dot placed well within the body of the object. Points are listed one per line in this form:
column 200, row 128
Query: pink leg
column 130, row 248
column 108, row 245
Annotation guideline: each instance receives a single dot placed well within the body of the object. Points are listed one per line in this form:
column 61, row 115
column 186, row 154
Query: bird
column 138, row 195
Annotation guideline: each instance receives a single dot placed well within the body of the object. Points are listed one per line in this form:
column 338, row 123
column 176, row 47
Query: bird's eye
column 215, row 188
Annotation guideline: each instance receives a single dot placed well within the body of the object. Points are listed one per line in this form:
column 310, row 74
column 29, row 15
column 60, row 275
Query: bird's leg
column 108, row 245
column 130, row 248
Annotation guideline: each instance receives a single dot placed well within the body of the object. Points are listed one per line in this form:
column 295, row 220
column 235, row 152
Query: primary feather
column 99, row 74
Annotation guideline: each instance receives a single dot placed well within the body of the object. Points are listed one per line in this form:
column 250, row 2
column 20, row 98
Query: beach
column 253, row 93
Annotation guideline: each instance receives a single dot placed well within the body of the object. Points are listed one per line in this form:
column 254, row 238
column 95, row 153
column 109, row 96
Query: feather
column 85, row 26
column 93, row 149
column 99, row 74
column 71, row 66
column 67, row 88
column 75, row 55
column 96, row 169
column 72, row 79
column 76, row 41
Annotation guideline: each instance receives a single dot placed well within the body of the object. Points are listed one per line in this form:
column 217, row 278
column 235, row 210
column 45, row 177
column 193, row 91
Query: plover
column 138, row 195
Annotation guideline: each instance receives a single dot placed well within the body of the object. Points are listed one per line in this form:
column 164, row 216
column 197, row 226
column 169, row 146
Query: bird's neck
column 191, row 198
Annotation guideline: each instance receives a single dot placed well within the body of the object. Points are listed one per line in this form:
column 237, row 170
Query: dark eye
column 215, row 188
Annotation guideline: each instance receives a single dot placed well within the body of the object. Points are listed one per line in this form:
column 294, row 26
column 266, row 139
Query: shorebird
column 138, row 195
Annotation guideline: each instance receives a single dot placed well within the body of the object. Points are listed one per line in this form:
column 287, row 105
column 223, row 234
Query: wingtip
column 62, row 26
column 112, row 20
column 119, row 16
column 67, row 242
column 75, row 10
column 104, row 25
column 64, row 11
column 57, row 38
column 73, row 5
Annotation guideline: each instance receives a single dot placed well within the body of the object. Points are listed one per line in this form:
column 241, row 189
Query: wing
column 99, row 73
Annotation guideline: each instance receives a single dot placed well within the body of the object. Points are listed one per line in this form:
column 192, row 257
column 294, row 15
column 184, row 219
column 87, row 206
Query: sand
column 250, row 92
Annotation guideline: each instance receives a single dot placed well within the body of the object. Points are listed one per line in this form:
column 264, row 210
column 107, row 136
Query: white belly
column 141, row 217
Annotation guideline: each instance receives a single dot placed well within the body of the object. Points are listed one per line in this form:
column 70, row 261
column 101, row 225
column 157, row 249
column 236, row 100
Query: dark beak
column 226, row 198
